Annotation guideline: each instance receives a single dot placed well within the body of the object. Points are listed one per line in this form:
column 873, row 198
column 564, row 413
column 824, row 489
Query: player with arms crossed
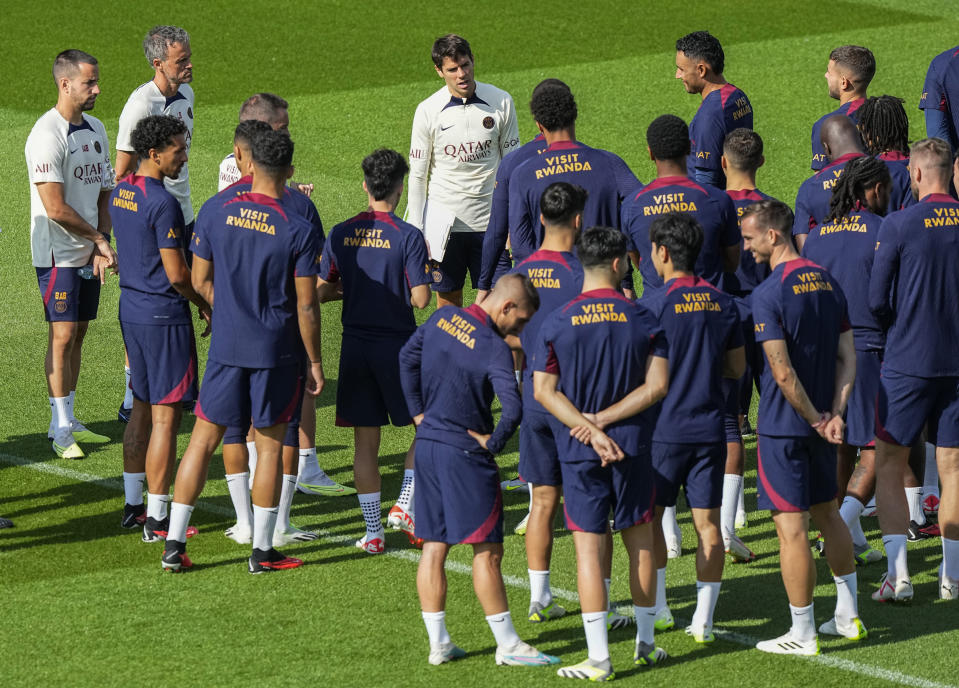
column 451, row 367
column 460, row 134
column 848, row 73
column 699, row 64
column 912, row 292
column 800, row 320
column 265, row 286
column 600, row 362
column 155, row 319
column 68, row 163
column 383, row 267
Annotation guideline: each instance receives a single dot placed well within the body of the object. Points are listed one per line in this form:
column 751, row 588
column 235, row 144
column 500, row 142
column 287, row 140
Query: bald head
column 840, row 137
column 511, row 303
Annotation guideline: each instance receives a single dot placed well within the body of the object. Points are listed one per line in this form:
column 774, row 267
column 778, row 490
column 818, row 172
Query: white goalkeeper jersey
column 229, row 173
column 456, row 146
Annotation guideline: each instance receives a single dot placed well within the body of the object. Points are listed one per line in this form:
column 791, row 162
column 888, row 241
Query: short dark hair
column 599, row 246
column 860, row 61
column 561, row 202
column 884, row 125
column 247, row 130
column 702, row 45
column 451, row 46
column 553, row 105
column 938, row 151
column 155, row 132
column 681, row 235
column 262, row 106
column 272, row 151
column 858, row 175
column 383, row 171
column 67, row 62
column 743, row 149
column 771, row 214
column 668, row 138
column 160, row 38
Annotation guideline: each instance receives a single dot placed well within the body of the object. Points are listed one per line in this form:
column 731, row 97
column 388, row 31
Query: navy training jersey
column 603, row 174
column 450, row 370
column 720, row 112
column 847, row 248
column 913, row 287
column 295, row 201
column 598, row 344
column 803, row 305
column 146, row 217
column 701, row 324
column 558, row 278
column 940, row 91
column 819, row 157
column 257, row 249
column 749, row 273
column 900, row 195
column 711, row 208
column 494, row 242
column 380, row 258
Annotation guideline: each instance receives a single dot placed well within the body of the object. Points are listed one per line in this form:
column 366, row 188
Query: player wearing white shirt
column 68, row 163
column 460, row 135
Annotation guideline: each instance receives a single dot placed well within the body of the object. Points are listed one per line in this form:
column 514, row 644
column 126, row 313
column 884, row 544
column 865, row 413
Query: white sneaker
column 786, row 644
column 893, row 591
column 674, row 548
column 323, row 485
column 854, row 630
column 242, row 535
column 445, row 652
column 664, row 619
column 523, row 654
column 520, row 528
column 741, row 520
column 948, row 588
column 292, row 534
column 738, row 550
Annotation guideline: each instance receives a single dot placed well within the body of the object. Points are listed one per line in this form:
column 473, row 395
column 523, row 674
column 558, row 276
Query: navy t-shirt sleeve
column 417, row 260
column 200, row 245
column 542, row 358
column 802, row 213
column 411, row 359
column 730, row 231
column 767, row 316
column 328, row 269
column 497, row 231
column 503, row 379
column 885, row 267
column 168, row 224
column 709, row 145
column 521, row 227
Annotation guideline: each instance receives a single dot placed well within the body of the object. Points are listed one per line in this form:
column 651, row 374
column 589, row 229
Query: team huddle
column 620, row 402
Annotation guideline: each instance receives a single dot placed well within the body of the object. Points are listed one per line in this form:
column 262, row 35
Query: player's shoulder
column 433, row 104
column 187, row 92
column 492, row 94
column 141, row 100
column 95, row 124
column 49, row 124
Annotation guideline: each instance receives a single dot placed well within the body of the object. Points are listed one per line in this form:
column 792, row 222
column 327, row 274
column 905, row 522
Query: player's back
column 294, row 201
column 819, row 157
column 748, row 273
column 847, row 248
column 802, row 304
column 712, row 209
column 701, row 323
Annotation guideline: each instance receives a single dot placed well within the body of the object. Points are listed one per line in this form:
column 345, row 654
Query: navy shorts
column 232, row 396
column 464, row 252
column 458, row 497
column 861, row 411
column 697, row 468
column 368, row 391
column 795, row 472
column 906, row 403
column 67, row 297
column 538, row 456
column 163, row 363
column 592, row 492
column 236, row 434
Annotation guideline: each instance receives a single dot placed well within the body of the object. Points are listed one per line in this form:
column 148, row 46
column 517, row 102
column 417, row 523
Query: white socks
column 707, row 595
column 71, row 401
column 804, row 624
column 251, row 452
column 846, row 607
column 133, row 488
column 238, row 485
column 950, row 558
column 895, row 546
column 157, row 507
column 539, row 587
column 60, row 413
column 914, row 499
column 503, row 631
column 645, row 624
column 671, row 531
column 264, row 521
column 370, row 506
column 727, row 512
column 850, row 511
column 309, row 471
column 660, row 590
column 286, row 503
column 179, row 520
column 406, row 490
column 436, row 628
column 127, row 389
column 597, row 638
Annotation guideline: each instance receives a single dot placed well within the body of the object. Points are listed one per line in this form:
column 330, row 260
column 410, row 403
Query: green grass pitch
column 84, row 603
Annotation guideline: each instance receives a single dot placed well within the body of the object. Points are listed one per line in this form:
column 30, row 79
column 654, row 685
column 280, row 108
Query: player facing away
column 800, row 320
column 845, row 245
column 155, row 319
column 167, row 49
column 600, row 362
column 911, row 293
column 68, row 164
column 260, row 261
column 884, row 127
column 460, row 135
column 450, row 369
column 380, row 267
column 702, row 326
column 848, row 73
column 699, row 65
column 940, row 97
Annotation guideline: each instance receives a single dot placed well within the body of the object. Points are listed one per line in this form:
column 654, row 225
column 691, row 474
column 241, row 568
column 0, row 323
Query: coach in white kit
column 68, row 163
column 460, row 135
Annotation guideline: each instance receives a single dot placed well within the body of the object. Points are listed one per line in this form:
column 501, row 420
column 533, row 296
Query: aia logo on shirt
column 488, row 122
column 86, row 148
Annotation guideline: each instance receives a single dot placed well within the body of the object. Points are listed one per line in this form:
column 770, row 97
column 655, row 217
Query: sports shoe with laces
column 589, row 670
column 271, row 560
column 156, row 531
column 702, row 636
column 787, row 644
column 930, row 505
column 445, row 652
column 854, row 630
column 738, row 550
column 931, row 530
column 893, row 591
column 647, row 654
column 948, row 588
column 124, row 413
column 291, row 535
column 538, row 613
column 372, row 543
column 400, row 518
column 324, row 486
column 664, row 619
column 242, row 535
column 514, row 484
column 615, row 620
column 83, row 434
column 865, row 555
column 914, row 533
column 134, row 516
column 174, row 557
column 523, row 654
column 65, row 446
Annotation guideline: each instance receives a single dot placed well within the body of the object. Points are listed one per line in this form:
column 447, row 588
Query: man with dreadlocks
column 845, row 244
column 884, row 127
